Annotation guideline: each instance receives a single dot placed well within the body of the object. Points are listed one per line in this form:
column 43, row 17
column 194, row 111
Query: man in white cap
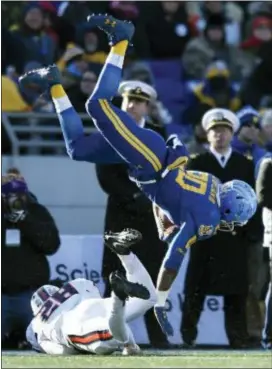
column 220, row 125
column 136, row 97
column 220, row 267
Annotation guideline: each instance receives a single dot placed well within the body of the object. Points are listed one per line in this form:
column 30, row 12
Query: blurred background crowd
column 198, row 56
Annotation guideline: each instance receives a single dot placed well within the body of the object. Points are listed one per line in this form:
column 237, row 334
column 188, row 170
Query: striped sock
column 117, row 54
column 60, row 98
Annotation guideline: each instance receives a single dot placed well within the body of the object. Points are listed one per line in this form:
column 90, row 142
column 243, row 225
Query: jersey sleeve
column 179, row 245
column 44, row 345
column 178, row 155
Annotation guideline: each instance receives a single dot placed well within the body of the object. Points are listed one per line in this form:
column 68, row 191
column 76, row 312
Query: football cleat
column 124, row 289
column 120, row 242
column 41, row 79
column 116, row 30
column 131, row 350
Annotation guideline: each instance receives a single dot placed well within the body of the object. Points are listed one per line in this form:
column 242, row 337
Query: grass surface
column 149, row 359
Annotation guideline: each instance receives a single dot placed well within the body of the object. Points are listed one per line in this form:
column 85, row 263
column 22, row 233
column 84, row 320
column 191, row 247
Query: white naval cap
column 137, row 89
column 220, row 117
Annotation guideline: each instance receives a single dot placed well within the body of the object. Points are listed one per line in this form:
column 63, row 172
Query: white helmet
column 40, row 296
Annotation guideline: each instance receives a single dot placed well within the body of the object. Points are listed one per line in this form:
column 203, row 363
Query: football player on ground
column 195, row 202
column 75, row 318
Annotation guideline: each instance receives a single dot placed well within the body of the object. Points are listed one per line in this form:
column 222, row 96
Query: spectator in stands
column 215, row 91
column 88, row 45
column 266, row 103
column 127, row 10
column 13, row 52
column 12, row 99
column 11, row 13
column 167, row 29
column 56, row 27
column 260, row 31
column 92, row 43
column 256, row 7
column 29, row 234
column 38, row 45
column 247, row 139
column 211, row 45
column 79, row 94
column 198, row 144
column 139, row 71
column 230, row 10
column 264, row 195
column 266, row 129
column 255, row 87
column 76, row 12
column 72, row 66
column 136, row 12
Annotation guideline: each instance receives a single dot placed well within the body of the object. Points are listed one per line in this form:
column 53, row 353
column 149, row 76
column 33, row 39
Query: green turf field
column 149, row 359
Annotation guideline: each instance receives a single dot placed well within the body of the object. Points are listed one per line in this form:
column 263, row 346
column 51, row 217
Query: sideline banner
column 81, row 257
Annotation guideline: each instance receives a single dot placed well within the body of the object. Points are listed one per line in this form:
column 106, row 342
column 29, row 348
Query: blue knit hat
column 248, row 116
column 14, row 186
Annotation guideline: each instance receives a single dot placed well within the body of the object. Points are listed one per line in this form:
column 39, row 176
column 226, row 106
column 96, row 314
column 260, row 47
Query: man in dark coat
column 127, row 206
column 29, row 233
column 218, row 266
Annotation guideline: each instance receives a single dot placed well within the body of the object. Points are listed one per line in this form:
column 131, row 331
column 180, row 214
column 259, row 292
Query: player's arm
column 93, row 148
column 170, row 268
column 166, row 229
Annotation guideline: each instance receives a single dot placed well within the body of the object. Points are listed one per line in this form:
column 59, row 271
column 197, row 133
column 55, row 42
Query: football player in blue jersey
column 194, row 201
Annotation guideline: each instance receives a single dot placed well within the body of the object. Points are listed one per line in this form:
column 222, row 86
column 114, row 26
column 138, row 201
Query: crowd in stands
column 197, row 54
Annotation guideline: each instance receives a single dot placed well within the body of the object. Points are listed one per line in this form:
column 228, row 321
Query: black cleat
column 116, row 30
column 124, row 289
column 120, row 242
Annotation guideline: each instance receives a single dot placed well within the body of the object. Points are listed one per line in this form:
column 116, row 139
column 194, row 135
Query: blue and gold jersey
column 188, row 196
column 184, row 195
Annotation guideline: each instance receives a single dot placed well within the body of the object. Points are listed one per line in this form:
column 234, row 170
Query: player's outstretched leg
column 120, row 243
column 140, row 147
column 49, row 80
column 121, row 290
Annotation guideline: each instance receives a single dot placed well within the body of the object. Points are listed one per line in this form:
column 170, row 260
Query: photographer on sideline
column 29, row 233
